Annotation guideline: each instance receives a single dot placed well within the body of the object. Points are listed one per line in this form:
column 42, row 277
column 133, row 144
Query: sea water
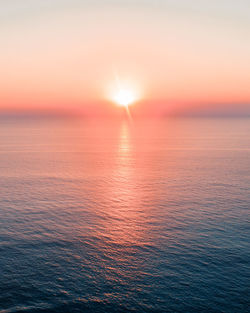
column 124, row 216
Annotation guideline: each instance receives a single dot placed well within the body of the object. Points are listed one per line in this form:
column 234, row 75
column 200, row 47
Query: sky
column 181, row 56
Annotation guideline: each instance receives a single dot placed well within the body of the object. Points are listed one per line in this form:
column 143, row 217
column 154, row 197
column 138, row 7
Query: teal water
column 104, row 216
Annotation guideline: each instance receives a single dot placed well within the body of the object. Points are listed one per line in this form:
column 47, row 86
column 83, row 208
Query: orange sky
column 63, row 55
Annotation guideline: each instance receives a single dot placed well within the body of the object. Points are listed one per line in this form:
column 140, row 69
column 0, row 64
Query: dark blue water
column 151, row 216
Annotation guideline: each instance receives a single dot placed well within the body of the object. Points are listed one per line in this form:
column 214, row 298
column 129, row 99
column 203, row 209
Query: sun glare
column 124, row 97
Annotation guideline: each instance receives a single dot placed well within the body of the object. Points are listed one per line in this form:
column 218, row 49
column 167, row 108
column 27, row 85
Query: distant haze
column 186, row 57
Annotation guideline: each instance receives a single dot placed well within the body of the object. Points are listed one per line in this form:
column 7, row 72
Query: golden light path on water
column 126, row 222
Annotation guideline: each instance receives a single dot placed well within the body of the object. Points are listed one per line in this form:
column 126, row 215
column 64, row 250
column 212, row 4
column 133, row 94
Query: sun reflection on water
column 125, row 220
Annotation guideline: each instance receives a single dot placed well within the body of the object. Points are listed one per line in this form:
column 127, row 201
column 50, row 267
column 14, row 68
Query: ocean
column 118, row 216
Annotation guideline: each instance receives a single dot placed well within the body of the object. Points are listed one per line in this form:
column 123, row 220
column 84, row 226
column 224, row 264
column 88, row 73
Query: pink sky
column 64, row 55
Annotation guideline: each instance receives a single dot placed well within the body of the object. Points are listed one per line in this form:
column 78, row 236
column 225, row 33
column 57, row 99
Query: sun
column 124, row 97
